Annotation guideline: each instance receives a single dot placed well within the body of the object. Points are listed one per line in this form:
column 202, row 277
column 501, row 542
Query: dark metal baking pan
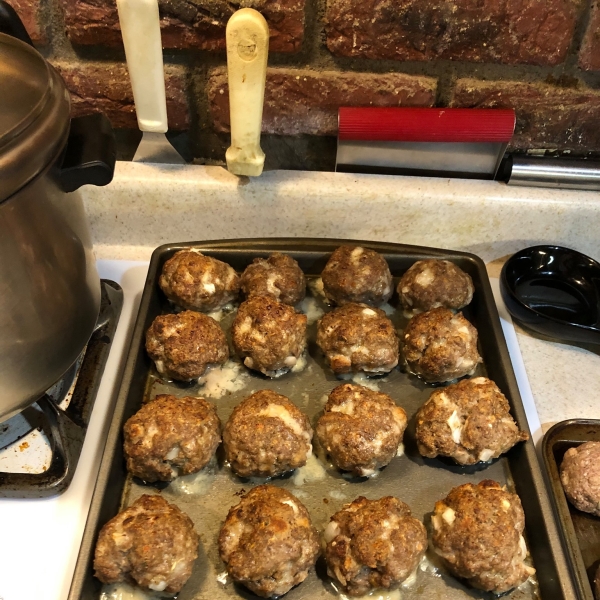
column 417, row 481
column 581, row 531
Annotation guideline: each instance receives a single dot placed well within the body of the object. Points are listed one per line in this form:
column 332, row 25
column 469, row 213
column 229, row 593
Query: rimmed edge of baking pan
column 545, row 546
column 557, row 440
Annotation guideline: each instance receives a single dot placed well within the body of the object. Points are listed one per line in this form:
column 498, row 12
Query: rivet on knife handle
column 247, row 38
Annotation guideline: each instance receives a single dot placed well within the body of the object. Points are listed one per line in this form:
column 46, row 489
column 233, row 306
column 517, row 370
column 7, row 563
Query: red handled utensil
column 438, row 142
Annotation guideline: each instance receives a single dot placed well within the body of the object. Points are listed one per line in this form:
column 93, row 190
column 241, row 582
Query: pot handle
column 11, row 24
column 90, row 154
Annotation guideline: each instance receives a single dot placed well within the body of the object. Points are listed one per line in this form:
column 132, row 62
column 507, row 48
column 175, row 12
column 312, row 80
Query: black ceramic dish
column 554, row 291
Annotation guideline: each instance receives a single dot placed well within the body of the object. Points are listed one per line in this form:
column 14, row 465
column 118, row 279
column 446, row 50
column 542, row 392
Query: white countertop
column 149, row 205
column 563, row 378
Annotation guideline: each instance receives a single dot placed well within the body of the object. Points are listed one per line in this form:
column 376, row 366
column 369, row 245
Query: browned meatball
column 477, row 532
column 355, row 274
column 373, row 544
column 268, row 542
column 171, row 436
column 184, row 345
column 152, row 544
column 278, row 276
column 356, row 337
column 433, row 283
column 468, row 421
column 361, row 430
column 440, row 346
column 580, row 476
column 267, row 435
column 270, row 336
column 197, row 282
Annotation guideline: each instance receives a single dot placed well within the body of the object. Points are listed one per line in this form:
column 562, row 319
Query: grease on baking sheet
column 196, row 484
column 361, row 378
column 218, row 381
column 313, row 470
column 124, row 591
column 374, row 595
column 310, row 307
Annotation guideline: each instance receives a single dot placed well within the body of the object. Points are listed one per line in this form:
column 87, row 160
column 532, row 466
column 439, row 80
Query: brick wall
column 540, row 57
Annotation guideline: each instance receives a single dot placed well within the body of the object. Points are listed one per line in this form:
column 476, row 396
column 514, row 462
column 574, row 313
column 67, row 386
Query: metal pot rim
column 38, row 137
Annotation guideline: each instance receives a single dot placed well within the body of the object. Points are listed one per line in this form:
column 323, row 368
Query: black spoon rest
column 554, row 291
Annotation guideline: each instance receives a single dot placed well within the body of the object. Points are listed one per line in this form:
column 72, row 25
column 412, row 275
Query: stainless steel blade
column 156, row 148
column 437, row 159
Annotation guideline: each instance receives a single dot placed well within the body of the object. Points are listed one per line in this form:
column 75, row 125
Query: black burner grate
column 63, row 420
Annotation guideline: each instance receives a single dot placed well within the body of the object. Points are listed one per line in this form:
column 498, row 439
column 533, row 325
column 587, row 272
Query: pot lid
column 34, row 114
column 24, row 80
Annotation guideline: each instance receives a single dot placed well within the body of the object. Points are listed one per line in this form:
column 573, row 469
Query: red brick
column 306, row 102
column 535, row 32
column 589, row 57
column 199, row 24
column 548, row 116
column 105, row 87
column 28, row 11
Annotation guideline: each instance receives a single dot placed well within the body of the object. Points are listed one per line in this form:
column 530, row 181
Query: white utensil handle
column 247, row 38
column 140, row 27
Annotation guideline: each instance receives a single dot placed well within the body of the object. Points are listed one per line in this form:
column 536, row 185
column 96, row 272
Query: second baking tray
column 419, row 482
column 581, row 530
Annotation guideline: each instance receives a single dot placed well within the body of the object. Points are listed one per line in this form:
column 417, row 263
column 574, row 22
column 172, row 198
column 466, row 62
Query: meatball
column 278, row 276
column 373, row 544
column 267, row 435
column 184, row 345
column 152, row 544
column 468, row 421
column 268, row 542
column 356, row 337
column 197, row 282
column 435, row 283
column 355, row 274
column 361, row 430
column 440, row 346
column 477, row 532
column 580, row 476
column 171, row 436
column 270, row 336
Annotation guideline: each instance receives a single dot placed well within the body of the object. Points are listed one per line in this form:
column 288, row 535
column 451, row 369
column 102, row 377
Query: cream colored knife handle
column 247, row 37
column 140, row 27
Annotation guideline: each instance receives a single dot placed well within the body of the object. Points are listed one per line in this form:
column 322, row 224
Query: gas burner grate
column 48, row 436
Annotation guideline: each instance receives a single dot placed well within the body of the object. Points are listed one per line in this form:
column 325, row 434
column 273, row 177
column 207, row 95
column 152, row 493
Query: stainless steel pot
column 49, row 286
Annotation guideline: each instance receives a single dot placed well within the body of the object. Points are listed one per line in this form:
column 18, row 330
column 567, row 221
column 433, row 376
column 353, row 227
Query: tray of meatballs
column 318, row 418
column 571, row 451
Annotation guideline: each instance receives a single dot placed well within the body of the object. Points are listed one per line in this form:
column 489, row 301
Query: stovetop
column 41, row 536
column 40, row 447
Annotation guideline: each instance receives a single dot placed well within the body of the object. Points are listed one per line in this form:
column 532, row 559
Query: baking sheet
column 581, row 530
column 417, row 481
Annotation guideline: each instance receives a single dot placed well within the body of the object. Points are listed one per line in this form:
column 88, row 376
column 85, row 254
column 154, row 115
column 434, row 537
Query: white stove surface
column 41, row 538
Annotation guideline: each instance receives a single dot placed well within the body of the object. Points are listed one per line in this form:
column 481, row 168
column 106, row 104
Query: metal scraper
column 140, row 27
column 431, row 142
